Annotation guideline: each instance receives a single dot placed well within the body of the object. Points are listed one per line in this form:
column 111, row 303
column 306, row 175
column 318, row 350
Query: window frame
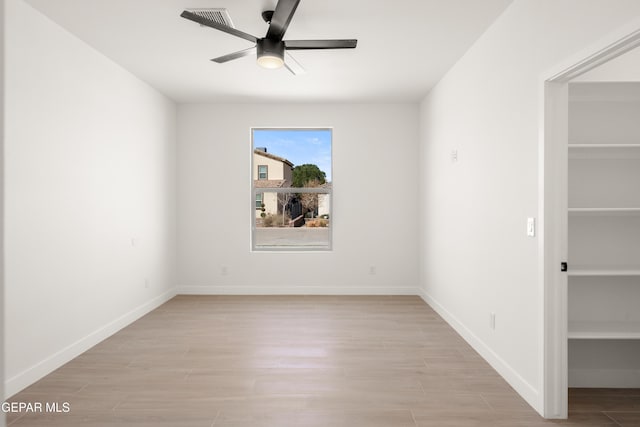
column 254, row 191
column 266, row 172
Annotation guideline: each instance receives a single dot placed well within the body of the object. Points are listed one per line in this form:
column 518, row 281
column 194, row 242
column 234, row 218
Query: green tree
column 307, row 172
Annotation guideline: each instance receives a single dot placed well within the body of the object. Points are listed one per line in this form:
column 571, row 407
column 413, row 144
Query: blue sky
column 299, row 146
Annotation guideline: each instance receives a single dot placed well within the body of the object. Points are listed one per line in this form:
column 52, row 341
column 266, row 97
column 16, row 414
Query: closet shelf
column 599, row 330
column 604, row 211
column 604, row 151
column 594, row 272
column 604, row 146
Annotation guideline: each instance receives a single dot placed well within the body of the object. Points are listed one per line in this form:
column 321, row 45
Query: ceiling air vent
column 219, row 16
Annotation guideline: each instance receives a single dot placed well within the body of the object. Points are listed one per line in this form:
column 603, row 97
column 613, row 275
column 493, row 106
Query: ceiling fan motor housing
column 270, row 48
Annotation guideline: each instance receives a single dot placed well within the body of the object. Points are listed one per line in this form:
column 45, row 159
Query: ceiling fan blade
column 320, row 44
column 281, row 18
column 235, row 55
column 209, row 23
column 293, row 65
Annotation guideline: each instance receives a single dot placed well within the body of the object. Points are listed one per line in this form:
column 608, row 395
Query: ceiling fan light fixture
column 271, row 62
column 270, row 53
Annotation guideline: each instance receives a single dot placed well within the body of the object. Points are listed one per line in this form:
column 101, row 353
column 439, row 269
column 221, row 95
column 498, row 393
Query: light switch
column 531, row 227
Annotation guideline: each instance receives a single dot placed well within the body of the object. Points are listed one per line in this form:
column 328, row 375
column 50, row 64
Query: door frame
column 553, row 192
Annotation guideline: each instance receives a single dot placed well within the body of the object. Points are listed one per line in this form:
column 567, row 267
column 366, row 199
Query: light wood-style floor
column 310, row 361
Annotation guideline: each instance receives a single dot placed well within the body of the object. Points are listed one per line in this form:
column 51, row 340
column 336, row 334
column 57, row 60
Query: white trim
column 526, row 390
column 613, row 45
column 296, row 290
column 31, row 375
column 552, row 249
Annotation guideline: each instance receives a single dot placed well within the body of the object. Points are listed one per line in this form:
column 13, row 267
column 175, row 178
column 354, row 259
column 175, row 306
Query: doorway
column 578, row 225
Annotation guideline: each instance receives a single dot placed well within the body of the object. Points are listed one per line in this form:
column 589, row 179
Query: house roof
column 273, row 157
column 269, row 183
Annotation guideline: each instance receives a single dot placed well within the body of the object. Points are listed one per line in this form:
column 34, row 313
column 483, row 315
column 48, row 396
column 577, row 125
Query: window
column 291, row 189
column 262, row 172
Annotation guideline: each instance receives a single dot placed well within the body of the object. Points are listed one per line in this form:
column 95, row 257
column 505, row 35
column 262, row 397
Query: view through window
column 291, row 189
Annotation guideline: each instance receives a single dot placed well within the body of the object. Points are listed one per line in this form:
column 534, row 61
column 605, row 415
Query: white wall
column 475, row 256
column 2, row 416
column 374, row 201
column 90, row 196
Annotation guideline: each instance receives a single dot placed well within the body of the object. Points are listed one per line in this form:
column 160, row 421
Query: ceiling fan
column 271, row 49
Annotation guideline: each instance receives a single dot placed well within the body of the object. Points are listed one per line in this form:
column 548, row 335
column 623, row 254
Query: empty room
column 320, row 213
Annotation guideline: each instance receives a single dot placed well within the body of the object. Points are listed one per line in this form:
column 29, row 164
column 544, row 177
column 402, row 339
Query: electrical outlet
column 146, row 283
column 492, row 321
column 224, row 270
column 454, row 156
column 372, row 270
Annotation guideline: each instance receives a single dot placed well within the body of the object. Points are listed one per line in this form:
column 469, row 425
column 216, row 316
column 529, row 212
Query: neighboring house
column 324, row 201
column 270, row 171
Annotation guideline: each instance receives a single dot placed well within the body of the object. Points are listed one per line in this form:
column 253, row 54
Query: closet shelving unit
column 604, row 240
column 599, row 217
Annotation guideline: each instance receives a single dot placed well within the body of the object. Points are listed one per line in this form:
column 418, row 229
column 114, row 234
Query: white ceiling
column 404, row 46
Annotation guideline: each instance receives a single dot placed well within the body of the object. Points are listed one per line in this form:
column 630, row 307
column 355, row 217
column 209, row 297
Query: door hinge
column 564, row 266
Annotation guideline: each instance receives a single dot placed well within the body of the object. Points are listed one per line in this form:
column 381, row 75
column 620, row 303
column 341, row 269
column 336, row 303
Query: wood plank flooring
column 304, row 361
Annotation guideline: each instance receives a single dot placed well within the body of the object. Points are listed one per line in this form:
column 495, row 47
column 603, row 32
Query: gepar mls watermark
column 35, row 407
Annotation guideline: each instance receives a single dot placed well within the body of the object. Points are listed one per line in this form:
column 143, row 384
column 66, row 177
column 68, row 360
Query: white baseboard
column 29, row 376
column 526, row 390
column 294, row 290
